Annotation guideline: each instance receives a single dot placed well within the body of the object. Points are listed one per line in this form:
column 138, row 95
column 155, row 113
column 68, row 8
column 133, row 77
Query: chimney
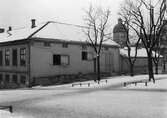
column 9, row 29
column 33, row 23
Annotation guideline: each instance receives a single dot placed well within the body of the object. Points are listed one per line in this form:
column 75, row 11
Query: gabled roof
column 52, row 30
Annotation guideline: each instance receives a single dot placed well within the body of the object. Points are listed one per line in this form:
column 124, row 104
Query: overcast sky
column 20, row 12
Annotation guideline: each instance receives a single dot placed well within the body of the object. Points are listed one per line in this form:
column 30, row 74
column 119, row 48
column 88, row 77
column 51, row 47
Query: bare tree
column 127, row 23
column 156, row 56
column 96, row 20
column 159, row 49
column 147, row 15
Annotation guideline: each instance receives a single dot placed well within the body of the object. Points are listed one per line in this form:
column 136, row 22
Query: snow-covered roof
column 140, row 52
column 17, row 34
column 52, row 30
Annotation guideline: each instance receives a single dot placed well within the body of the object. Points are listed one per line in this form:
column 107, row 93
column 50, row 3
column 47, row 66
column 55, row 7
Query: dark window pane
column 1, row 58
column 1, row 78
column 84, row 55
column 56, row 60
column 14, row 57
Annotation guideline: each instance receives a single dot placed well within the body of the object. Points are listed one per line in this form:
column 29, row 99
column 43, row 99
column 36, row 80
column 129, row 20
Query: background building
column 120, row 36
column 119, row 33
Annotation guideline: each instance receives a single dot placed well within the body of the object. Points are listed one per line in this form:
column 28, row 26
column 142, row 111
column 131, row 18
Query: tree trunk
column 156, row 68
column 131, row 70
column 98, row 68
column 95, row 68
column 150, row 67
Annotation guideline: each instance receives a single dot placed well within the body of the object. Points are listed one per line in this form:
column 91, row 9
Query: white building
column 48, row 50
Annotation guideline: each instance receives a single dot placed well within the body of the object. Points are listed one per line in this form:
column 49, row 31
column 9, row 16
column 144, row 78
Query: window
column 84, row 55
column 47, row 44
column 23, row 79
column 14, row 57
column 1, row 78
column 56, row 60
column 7, row 57
column 60, row 60
column 1, row 58
column 14, row 77
column 84, row 47
column 65, row 45
column 64, row 60
column 23, row 56
column 7, row 77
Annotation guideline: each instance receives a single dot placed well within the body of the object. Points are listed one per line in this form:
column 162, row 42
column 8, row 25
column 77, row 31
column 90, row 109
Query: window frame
column 1, row 57
column 59, row 63
column 14, row 62
column 23, row 56
column 7, row 57
column 65, row 45
column 47, row 44
column 84, row 58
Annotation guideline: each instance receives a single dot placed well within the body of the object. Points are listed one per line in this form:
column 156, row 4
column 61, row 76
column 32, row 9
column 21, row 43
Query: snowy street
column 110, row 100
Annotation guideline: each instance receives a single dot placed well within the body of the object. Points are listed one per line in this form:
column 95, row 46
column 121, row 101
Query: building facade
column 51, row 49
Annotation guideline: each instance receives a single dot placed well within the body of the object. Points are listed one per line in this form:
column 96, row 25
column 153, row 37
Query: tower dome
column 119, row 27
column 119, row 33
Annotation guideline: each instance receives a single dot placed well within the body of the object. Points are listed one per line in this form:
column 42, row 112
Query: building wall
column 140, row 66
column 18, row 73
column 43, row 56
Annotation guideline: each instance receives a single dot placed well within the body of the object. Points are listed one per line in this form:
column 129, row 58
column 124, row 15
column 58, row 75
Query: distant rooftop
column 140, row 52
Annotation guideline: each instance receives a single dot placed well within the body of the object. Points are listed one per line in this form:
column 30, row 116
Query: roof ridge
column 48, row 22
column 38, row 30
column 68, row 24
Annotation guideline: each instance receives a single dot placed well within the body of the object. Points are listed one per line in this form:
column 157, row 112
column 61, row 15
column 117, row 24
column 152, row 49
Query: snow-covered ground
column 96, row 101
column 115, row 81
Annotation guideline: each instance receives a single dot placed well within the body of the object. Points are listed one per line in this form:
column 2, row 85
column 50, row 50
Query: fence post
column 135, row 83
column 124, row 84
column 10, row 109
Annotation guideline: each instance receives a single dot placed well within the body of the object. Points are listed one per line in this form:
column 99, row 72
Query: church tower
column 119, row 33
